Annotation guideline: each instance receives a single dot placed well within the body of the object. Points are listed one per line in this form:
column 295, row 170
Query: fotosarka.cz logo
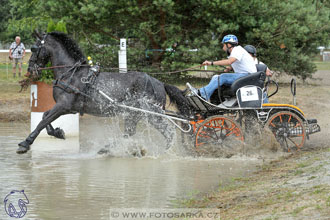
column 15, row 204
column 162, row 214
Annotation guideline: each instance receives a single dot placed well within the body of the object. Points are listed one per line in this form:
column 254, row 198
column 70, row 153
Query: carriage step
column 312, row 126
column 312, row 121
column 190, row 90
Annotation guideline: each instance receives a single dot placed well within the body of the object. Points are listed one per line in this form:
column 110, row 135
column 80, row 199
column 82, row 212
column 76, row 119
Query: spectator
column 16, row 54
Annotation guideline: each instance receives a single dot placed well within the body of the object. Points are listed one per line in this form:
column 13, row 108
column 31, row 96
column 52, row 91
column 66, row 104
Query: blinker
column 34, row 48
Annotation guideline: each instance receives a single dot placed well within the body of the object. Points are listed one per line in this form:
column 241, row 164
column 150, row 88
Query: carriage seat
column 227, row 92
column 254, row 79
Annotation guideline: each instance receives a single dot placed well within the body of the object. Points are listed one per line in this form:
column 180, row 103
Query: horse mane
column 70, row 45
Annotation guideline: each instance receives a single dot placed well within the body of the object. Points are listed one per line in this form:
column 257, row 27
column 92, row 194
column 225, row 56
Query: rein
column 197, row 67
column 66, row 66
column 184, row 70
column 63, row 66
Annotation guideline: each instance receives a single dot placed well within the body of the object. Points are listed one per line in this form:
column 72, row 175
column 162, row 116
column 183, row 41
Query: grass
column 298, row 172
column 10, row 91
column 322, row 65
column 190, row 199
column 296, row 211
column 302, row 165
column 6, row 73
column 328, row 202
column 9, row 86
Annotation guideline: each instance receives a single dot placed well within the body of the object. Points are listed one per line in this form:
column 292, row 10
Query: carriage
column 224, row 121
column 234, row 112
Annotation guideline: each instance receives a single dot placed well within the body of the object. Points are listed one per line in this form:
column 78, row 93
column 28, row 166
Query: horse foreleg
column 53, row 114
column 58, row 132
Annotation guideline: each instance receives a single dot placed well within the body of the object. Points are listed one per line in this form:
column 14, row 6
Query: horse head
column 40, row 55
column 56, row 47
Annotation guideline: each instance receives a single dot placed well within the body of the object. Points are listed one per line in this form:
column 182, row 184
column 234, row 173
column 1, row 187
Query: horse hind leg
column 165, row 128
column 130, row 124
column 57, row 132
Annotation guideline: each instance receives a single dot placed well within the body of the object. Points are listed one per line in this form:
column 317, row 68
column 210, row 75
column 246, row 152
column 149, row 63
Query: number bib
column 249, row 94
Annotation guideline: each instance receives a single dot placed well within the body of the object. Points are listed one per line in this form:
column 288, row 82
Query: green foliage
column 51, row 26
column 180, row 33
column 47, row 76
column 60, row 26
column 4, row 17
column 24, row 16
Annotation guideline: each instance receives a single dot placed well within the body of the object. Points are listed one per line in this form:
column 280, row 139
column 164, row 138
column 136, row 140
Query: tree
column 20, row 19
column 4, row 17
column 286, row 33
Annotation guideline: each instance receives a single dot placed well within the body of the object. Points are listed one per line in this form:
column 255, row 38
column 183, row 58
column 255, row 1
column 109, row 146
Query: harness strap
column 65, row 86
column 74, row 68
column 89, row 81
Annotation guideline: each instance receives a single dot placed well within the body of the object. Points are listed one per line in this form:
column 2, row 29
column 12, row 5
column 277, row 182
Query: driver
column 238, row 60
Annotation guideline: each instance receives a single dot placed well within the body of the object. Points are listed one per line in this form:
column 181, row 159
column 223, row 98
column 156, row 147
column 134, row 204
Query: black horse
column 76, row 86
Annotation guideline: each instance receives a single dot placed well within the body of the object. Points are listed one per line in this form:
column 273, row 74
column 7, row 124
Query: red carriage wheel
column 288, row 128
column 219, row 133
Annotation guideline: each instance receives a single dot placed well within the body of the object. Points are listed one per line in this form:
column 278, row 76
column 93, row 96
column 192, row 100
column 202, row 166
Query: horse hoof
column 23, row 148
column 103, row 151
column 59, row 133
column 140, row 153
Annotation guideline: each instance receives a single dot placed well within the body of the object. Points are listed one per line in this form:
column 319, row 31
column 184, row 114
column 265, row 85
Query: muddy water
column 63, row 182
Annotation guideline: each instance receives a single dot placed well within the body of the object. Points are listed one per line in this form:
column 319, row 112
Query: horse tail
column 176, row 96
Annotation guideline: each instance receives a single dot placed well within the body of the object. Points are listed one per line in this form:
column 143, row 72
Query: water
column 63, row 182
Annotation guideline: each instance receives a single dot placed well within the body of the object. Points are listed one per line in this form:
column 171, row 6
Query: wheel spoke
column 215, row 130
column 287, row 128
column 298, row 146
column 297, row 125
column 230, row 131
column 286, row 144
column 200, row 144
column 204, row 136
column 273, row 125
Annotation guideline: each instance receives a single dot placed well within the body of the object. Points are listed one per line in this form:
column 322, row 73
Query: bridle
column 36, row 49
